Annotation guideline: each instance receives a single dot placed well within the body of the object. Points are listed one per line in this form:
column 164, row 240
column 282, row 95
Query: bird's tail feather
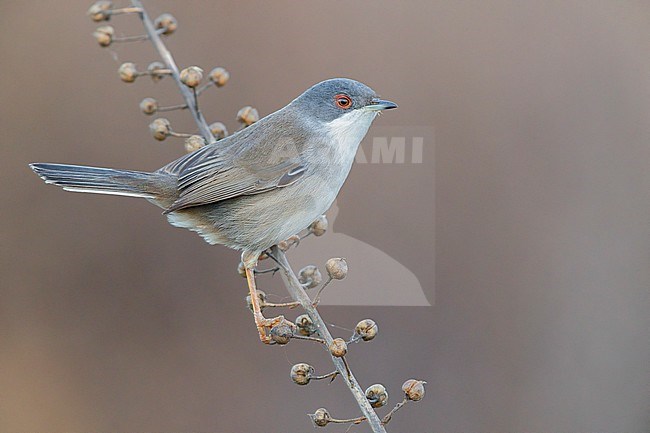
column 79, row 178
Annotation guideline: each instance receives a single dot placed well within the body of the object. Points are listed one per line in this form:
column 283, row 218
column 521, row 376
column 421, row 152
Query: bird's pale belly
column 257, row 222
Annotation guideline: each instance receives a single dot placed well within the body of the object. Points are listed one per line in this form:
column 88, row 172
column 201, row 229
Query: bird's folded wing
column 212, row 176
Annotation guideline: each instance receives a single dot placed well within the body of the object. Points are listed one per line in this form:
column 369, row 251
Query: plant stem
column 295, row 289
column 166, row 56
column 297, row 293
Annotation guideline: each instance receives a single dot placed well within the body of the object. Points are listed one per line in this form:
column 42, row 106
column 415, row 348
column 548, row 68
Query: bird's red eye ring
column 343, row 101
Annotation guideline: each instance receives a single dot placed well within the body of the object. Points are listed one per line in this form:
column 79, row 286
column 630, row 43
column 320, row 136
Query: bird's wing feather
column 215, row 173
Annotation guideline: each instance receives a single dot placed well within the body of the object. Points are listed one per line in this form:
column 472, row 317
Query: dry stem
column 166, row 56
column 297, row 293
column 292, row 284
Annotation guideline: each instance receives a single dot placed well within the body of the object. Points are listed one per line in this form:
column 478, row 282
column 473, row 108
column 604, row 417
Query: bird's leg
column 263, row 324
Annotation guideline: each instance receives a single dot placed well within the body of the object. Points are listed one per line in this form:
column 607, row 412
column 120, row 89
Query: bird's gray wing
column 215, row 173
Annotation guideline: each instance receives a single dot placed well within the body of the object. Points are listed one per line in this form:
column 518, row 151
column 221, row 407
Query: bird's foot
column 274, row 329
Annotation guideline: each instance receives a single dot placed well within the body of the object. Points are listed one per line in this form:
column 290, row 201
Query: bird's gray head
column 333, row 99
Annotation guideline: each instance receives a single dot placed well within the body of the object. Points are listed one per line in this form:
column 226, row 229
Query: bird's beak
column 380, row 104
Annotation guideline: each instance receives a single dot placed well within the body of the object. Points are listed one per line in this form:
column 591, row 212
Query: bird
column 255, row 188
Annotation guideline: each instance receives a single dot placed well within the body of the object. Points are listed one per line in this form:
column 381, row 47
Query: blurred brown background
column 111, row 320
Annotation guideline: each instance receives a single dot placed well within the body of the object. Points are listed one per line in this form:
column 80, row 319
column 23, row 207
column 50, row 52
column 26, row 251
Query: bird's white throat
column 347, row 131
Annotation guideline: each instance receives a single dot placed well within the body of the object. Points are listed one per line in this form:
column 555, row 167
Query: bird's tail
column 79, row 178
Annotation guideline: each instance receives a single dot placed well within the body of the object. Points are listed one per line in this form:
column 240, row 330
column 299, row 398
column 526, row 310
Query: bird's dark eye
column 343, row 101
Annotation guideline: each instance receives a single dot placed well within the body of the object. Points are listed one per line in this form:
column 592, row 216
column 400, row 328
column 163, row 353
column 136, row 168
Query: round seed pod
column 337, row 268
column 338, row 348
column 310, row 276
column 321, row 417
column 167, row 22
column 218, row 130
column 301, row 373
column 128, row 72
column 305, row 325
column 149, row 106
column 377, row 395
column 414, row 389
column 219, row 76
column 100, row 10
column 191, row 76
column 319, row 227
column 261, row 295
column 194, row 142
column 366, row 329
column 104, row 35
column 281, row 334
column 241, row 269
column 160, row 128
column 247, row 115
column 284, row 245
column 152, row 68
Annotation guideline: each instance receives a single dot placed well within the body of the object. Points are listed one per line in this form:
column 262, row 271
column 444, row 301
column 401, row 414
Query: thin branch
column 295, row 289
column 166, row 56
column 298, row 293
column 386, row 419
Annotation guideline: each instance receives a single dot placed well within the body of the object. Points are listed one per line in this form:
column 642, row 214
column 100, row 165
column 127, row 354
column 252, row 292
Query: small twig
column 123, row 11
column 196, row 100
column 172, row 108
column 308, row 338
column 331, row 375
column 156, row 72
column 317, row 297
column 180, row 134
column 267, row 271
column 204, row 87
column 386, row 419
column 357, row 420
column 136, row 38
column 298, row 293
column 167, row 58
column 291, row 305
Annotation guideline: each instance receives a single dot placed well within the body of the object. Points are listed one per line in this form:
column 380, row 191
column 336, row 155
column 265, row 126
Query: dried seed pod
column 281, row 334
column 247, row 115
column 167, row 22
column 241, row 269
column 305, row 325
column 194, row 142
column 301, row 373
column 219, row 76
column 128, row 72
column 310, row 276
column 104, row 35
column 284, row 245
column 321, row 417
column 261, row 295
column 414, row 389
column 219, row 130
column 160, row 128
column 153, row 67
column 377, row 395
column 149, row 106
column 319, row 227
column 338, row 348
column 191, row 76
column 366, row 329
column 337, row 268
column 99, row 11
